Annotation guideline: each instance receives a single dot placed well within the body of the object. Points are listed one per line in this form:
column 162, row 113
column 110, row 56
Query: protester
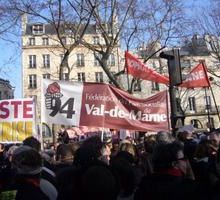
column 169, row 180
column 28, row 165
column 98, row 183
column 63, row 136
column 160, row 170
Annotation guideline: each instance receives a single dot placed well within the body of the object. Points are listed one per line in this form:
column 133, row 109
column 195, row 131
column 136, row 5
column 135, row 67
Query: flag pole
column 213, row 96
column 206, row 100
column 126, row 69
column 168, row 111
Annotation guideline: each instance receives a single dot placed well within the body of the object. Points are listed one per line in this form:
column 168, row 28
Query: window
column 32, row 81
column 38, row 29
column 63, row 39
column 186, row 64
column 80, row 59
column 111, row 60
column 96, row 40
column 81, row 77
column 99, row 77
column 178, row 105
column 208, row 103
column 211, row 123
column 31, row 41
column 194, row 122
column 96, row 62
column 6, row 95
column 137, row 86
column 192, row 103
column 32, row 61
column 61, row 58
column 65, row 76
column 45, row 41
column 46, row 61
column 46, row 76
column 34, row 97
column 155, row 86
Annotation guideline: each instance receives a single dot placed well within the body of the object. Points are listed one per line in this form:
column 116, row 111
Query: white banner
column 17, row 119
column 61, row 106
column 101, row 105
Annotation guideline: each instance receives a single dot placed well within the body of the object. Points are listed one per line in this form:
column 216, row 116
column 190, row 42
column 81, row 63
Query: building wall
column 55, row 51
column 6, row 90
column 201, row 113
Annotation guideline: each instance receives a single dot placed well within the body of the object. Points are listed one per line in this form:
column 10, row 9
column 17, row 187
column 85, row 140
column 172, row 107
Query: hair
column 150, row 143
column 164, row 137
column 130, row 148
column 202, row 149
column 165, row 154
column 94, row 144
column 32, row 142
column 62, row 126
column 64, row 152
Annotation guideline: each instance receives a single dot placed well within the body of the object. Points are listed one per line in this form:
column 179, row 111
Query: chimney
column 24, row 21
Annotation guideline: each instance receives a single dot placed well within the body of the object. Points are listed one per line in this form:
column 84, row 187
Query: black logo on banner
column 53, row 102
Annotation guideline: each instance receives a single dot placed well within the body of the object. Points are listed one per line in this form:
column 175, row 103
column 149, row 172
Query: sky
column 10, row 65
column 10, row 55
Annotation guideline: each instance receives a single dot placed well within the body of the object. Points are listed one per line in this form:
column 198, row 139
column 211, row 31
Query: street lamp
column 175, row 79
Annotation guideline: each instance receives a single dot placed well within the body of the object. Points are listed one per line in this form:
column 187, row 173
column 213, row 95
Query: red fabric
column 171, row 171
column 118, row 109
column 32, row 181
column 197, row 78
column 138, row 70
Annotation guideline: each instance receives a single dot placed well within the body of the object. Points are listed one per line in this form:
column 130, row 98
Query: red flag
column 197, row 78
column 137, row 69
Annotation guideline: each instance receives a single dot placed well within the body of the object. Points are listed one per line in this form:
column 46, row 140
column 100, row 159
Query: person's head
column 10, row 152
column 27, row 161
column 166, row 156
column 2, row 147
column 105, row 154
column 62, row 126
column 150, row 143
column 94, row 144
column 64, row 153
column 217, row 163
column 33, row 143
column 164, row 137
column 186, row 132
column 130, row 148
column 214, row 138
column 202, row 149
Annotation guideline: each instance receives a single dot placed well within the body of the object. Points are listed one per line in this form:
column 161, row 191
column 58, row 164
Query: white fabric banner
column 61, row 106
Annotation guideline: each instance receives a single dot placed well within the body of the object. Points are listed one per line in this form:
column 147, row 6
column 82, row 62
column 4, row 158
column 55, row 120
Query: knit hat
column 27, row 161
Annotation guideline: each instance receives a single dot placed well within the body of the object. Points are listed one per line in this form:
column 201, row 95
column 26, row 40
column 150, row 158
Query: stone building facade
column 6, row 90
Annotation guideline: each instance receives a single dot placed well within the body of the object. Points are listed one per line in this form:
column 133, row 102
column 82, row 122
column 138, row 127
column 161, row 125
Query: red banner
column 197, row 78
column 102, row 105
column 138, row 70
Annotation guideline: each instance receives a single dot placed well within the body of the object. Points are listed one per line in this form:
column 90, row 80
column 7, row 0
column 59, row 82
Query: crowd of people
column 154, row 167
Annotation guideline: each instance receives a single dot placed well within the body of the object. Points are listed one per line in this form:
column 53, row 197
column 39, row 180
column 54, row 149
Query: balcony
column 202, row 110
